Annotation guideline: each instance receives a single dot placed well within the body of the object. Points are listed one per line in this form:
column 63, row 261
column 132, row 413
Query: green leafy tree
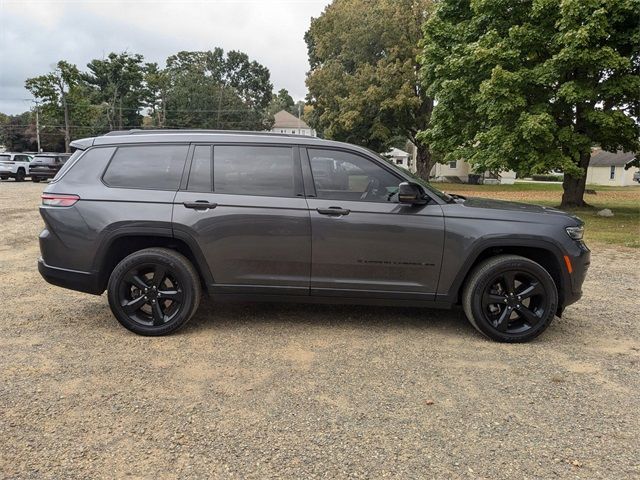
column 213, row 90
column 363, row 84
column 54, row 90
column 281, row 101
column 533, row 85
column 157, row 86
column 117, row 84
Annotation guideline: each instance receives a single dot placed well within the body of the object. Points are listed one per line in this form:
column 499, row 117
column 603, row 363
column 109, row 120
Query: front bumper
column 580, row 261
column 72, row 279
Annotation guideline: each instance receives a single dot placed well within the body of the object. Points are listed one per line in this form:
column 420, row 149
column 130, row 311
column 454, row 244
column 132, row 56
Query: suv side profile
column 14, row 165
column 46, row 165
column 158, row 217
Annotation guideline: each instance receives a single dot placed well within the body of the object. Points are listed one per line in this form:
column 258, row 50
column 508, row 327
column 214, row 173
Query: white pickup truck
column 14, row 165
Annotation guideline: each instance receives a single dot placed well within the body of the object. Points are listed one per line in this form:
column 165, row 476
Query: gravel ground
column 295, row 391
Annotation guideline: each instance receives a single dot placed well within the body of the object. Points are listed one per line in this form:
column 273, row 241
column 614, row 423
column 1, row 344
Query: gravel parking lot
column 299, row 391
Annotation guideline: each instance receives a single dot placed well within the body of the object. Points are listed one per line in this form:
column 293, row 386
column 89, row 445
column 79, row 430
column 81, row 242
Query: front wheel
column 20, row 175
column 510, row 298
column 154, row 291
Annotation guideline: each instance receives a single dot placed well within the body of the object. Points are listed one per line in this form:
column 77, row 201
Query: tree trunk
column 67, row 132
column 424, row 161
column 573, row 195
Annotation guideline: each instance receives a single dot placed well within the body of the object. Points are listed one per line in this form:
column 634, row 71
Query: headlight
column 576, row 232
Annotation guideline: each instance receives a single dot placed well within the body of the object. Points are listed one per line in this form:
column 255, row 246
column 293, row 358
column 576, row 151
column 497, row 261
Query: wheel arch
column 545, row 253
column 122, row 244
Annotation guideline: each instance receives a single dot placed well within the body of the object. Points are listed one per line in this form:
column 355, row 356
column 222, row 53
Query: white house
column 608, row 168
column 400, row 158
column 287, row 123
column 462, row 170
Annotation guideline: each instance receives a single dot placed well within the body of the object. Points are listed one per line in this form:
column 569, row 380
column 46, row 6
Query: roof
column 208, row 136
column 396, row 152
column 600, row 158
column 284, row 119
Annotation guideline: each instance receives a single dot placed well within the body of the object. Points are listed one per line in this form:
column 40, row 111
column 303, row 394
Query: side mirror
column 411, row 193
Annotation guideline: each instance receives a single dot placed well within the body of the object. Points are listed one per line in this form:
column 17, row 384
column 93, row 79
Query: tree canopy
column 533, row 85
column 363, row 84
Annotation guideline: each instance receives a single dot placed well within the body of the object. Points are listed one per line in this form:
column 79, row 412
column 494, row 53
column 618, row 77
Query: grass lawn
column 621, row 229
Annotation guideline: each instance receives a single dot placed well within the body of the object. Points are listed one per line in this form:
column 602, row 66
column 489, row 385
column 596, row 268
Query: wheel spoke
column 158, row 316
column 534, row 288
column 136, row 281
column 492, row 298
column 509, row 279
column 134, row 305
column 173, row 295
column 503, row 322
column 159, row 274
column 529, row 316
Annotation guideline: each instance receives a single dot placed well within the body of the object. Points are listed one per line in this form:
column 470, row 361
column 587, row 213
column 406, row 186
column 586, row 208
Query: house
column 608, row 168
column 463, row 171
column 400, row 158
column 287, row 123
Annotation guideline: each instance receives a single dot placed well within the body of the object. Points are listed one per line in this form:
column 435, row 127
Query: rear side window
column 249, row 170
column 153, row 167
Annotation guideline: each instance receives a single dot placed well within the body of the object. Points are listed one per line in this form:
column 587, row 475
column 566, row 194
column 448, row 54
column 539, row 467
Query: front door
column 365, row 243
column 244, row 206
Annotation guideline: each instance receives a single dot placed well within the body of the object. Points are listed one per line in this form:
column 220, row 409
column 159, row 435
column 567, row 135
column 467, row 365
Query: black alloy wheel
column 154, row 291
column 510, row 298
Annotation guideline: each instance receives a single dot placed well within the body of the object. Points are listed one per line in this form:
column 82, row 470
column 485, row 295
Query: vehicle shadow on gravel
column 232, row 316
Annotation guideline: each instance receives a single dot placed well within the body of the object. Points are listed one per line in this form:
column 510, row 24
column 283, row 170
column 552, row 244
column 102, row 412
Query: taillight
column 59, row 199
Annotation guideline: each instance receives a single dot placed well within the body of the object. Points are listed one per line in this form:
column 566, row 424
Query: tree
column 533, row 85
column 54, row 89
column 281, row 101
column 211, row 90
column 363, row 84
column 117, row 81
column 157, row 85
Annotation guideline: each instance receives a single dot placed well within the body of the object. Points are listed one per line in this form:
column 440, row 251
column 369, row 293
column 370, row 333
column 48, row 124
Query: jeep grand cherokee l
column 156, row 217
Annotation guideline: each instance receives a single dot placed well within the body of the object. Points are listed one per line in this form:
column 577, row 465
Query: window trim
column 184, row 185
column 150, row 144
column 343, row 150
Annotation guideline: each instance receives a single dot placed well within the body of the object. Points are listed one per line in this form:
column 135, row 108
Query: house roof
column 284, row 119
column 396, row 152
column 600, row 158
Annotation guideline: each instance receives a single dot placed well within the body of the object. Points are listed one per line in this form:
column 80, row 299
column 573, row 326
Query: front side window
column 341, row 175
column 153, row 167
column 249, row 170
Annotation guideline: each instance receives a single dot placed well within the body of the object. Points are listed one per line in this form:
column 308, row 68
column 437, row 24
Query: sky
column 35, row 34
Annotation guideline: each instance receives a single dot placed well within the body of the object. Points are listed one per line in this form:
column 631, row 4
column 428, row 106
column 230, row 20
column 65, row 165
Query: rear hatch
column 44, row 163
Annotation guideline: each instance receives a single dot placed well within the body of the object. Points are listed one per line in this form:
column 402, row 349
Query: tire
column 20, row 175
column 3, row 178
column 35, row 179
column 154, row 311
column 510, row 299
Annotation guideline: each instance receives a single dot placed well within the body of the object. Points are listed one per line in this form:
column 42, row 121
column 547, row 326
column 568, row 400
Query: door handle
column 337, row 211
column 200, row 205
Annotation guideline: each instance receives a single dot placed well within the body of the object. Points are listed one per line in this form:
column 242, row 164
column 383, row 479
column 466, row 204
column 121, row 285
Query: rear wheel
column 35, row 179
column 154, row 291
column 20, row 174
column 510, row 298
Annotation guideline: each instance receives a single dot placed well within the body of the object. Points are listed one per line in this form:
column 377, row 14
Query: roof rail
column 138, row 131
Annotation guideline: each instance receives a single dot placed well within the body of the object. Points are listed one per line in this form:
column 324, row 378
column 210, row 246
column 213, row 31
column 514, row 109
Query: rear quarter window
column 153, row 167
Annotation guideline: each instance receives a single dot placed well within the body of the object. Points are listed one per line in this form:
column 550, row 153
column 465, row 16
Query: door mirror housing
column 411, row 194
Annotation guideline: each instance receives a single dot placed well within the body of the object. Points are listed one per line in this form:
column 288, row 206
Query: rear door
column 244, row 206
column 365, row 243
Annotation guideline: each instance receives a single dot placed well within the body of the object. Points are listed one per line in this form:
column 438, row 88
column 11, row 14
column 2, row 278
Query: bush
column 547, row 178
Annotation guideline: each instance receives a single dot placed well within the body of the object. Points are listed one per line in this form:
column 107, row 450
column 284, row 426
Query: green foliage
column 533, row 85
column 363, row 84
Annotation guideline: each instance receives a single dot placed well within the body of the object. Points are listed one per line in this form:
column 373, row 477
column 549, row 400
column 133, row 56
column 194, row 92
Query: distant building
column 287, row 123
column 608, row 168
column 462, row 170
column 399, row 157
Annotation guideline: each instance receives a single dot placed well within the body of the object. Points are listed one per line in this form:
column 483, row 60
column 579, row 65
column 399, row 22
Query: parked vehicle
column 46, row 165
column 14, row 165
column 156, row 217
column 636, row 177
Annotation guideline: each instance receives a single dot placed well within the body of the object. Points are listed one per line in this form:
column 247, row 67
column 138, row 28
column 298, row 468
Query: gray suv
column 158, row 217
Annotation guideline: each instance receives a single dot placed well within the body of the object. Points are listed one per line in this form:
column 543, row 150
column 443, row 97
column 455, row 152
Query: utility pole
column 299, row 115
column 38, row 125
